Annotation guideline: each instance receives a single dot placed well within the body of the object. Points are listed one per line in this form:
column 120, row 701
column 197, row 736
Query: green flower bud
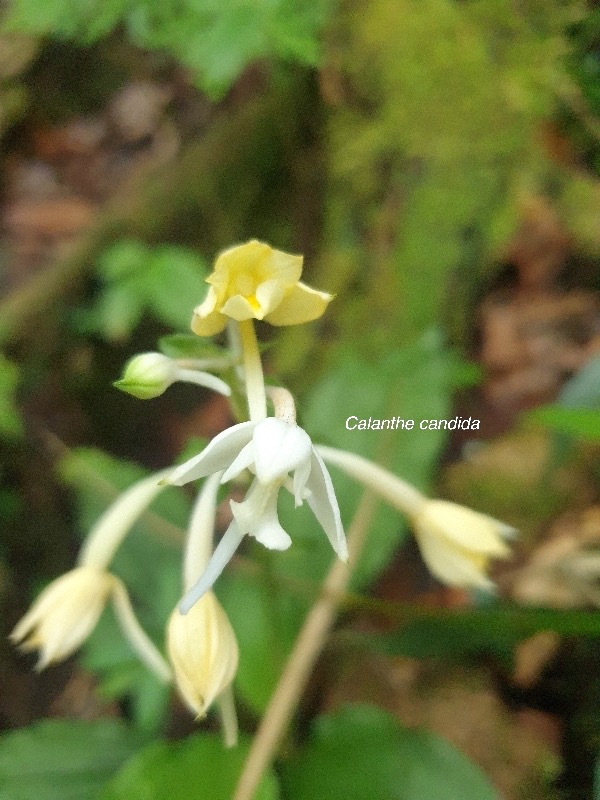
column 148, row 375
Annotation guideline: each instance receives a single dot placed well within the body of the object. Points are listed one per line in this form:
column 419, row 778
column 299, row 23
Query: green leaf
column 188, row 345
column 363, row 752
column 175, row 284
column 10, row 419
column 122, row 260
column 265, row 618
column 63, row 760
column 215, row 41
column 166, row 280
column 117, row 312
column 580, row 422
column 423, row 633
column 200, row 766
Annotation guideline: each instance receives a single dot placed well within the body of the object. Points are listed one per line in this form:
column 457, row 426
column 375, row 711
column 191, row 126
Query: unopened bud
column 64, row 614
column 203, row 651
column 148, row 375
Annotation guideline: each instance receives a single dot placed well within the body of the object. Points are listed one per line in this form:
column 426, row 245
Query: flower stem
column 283, row 403
column 203, row 379
column 199, row 544
column 394, row 490
column 302, row 659
column 137, row 637
column 228, row 714
column 112, row 527
column 253, row 372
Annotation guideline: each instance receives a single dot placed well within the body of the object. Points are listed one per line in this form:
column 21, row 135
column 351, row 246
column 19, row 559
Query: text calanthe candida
column 399, row 423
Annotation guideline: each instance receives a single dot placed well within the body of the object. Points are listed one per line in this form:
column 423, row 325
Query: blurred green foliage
column 167, row 281
column 63, row 759
column 215, row 41
column 361, row 752
column 473, row 632
column 433, row 140
column 198, row 767
column 580, row 422
column 10, row 419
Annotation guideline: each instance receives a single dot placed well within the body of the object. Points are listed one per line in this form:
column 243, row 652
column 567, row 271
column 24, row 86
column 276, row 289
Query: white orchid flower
column 279, row 453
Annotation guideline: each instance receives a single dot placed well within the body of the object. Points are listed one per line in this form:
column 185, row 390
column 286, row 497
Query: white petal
column 324, row 505
column 301, row 475
column 253, row 506
column 220, row 558
column 268, row 530
column 217, row 455
column 243, row 460
column 199, row 543
column 279, row 447
column 271, row 534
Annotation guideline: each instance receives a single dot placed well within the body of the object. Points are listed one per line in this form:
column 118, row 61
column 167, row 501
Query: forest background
column 437, row 163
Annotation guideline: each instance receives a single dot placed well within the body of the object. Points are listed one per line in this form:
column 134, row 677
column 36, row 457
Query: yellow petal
column 269, row 295
column 210, row 325
column 257, row 260
column 300, row 304
column 454, row 566
column 285, row 267
column 241, row 308
column 207, row 320
column 463, row 527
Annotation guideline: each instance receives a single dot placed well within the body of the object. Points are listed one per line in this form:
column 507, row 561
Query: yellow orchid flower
column 255, row 281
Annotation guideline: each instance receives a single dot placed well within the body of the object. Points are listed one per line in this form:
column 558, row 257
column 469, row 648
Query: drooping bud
column 203, row 651
column 64, row 615
column 458, row 543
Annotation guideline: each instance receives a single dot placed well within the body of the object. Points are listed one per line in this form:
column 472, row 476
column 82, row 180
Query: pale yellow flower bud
column 203, row 651
column 64, row 614
column 255, row 281
column 458, row 543
column 148, row 375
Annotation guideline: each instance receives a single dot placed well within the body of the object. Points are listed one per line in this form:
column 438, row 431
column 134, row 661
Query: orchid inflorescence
column 252, row 281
